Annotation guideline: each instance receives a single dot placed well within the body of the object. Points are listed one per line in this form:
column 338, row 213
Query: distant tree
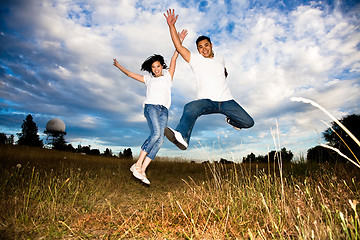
column 320, row 154
column 94, row 152
column 127, row 153
column 108, row 153
column 29, row 133
column 84, row 149
column 59, row 143
column 352, row 123
column 10, row 139
column 250, row 158
column 224, row 161
column 3, row 138
column 286, row 157
column 70, row 148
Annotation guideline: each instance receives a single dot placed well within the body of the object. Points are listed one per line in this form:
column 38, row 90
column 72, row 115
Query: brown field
column 46, row 194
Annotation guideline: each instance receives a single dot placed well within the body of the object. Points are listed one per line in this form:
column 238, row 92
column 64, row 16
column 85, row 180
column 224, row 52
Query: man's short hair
column 202, row 38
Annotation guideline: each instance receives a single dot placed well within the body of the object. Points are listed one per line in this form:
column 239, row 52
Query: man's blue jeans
column 231, row 109
column 157, row 118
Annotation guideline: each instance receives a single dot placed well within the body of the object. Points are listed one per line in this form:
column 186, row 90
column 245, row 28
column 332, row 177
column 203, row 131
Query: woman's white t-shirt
column 211, row 82
column 158, row 89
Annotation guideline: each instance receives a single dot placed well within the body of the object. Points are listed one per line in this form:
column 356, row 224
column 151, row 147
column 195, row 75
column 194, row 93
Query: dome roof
column 55, row 125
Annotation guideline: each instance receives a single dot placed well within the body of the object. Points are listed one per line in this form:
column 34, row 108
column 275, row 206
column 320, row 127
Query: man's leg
column 238, row 117
column 191, row 112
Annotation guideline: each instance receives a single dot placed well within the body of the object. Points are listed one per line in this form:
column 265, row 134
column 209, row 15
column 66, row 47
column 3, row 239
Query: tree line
column 335, row 136
column 29, row 136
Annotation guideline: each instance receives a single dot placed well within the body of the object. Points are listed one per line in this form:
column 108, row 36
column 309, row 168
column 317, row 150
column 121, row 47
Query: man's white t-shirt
column 158, row 89
column 211, row 82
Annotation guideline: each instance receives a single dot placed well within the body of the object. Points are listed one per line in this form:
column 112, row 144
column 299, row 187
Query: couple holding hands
column 213, row 95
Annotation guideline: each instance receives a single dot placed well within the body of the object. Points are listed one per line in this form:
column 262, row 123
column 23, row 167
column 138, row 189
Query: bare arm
column 135, row 76
column 182, row 36
column 171, row 20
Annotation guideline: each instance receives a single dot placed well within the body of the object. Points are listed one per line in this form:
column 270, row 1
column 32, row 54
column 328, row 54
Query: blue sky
column 56, row 61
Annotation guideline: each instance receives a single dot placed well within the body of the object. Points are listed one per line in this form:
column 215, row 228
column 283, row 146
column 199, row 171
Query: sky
column 56, row 62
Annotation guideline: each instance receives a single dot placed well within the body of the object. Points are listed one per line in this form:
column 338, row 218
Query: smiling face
column 157, row 68
column 205, row 48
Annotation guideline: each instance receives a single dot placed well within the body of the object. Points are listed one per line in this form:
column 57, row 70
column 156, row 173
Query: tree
column 108, row 153
column 286, row 157
column 320, row 154
column 127, row 153
column 59, row 143
column 334, row 135
column 29, row 133
column 3, row 138
column 6, row 140
column 10, row 139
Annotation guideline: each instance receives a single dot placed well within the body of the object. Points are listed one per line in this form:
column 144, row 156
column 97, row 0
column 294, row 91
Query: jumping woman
column 156, row 105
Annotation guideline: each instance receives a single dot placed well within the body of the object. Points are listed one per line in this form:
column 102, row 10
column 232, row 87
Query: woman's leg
column 141, row 158
column 151, row 113
column 162, row 120
column 145, row 165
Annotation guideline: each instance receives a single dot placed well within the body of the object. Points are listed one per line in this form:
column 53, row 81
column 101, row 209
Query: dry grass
column 58, row 195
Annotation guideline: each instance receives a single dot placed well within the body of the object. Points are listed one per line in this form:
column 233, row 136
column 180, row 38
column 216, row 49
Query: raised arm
column 171, row 20
column 172, row 66
column 128, row 73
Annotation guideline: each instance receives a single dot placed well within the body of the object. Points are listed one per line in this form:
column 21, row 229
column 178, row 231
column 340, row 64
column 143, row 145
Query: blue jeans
column 192, row 110
column 157, row 117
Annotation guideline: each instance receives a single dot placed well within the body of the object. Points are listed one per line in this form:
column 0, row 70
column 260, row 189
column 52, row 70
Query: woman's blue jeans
column 231, row 109
column 157, row 118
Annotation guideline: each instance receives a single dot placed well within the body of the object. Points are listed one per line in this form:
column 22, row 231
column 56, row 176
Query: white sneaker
column 176, row 138
column 136, row 172
column 228, row 121
column 145, row 180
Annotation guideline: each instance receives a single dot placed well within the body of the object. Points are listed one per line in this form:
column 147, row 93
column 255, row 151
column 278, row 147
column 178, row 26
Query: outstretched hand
column 183, row 34
column 170, row 17
column 116, row 64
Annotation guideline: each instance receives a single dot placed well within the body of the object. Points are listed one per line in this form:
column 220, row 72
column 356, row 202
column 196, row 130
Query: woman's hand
column 183, row 34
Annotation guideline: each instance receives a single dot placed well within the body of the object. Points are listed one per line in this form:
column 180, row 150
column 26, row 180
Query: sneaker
column 145, row 180
column 176, row 138
column 228, row 121
column 136, row 172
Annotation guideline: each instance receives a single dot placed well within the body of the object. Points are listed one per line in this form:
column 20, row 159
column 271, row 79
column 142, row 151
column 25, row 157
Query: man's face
column 205, row 48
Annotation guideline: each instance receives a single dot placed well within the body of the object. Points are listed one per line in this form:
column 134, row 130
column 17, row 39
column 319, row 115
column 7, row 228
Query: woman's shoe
column 145, row 180
column 136, row 172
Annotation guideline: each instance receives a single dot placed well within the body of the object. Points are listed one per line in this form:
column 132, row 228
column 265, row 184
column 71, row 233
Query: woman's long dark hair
column 146, row 66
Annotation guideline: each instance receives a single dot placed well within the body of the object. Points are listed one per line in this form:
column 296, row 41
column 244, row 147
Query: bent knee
column 250, row 123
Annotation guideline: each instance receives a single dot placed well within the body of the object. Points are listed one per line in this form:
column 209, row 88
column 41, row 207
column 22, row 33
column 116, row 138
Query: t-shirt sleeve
column 222, row 60
column 146, row 79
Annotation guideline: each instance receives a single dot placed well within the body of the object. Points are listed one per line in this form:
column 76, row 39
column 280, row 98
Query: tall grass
column 58, row 195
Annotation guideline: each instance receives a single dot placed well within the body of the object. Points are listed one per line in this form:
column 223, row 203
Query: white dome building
column 55, row 125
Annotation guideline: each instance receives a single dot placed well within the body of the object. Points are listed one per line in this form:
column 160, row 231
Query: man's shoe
column 228, row 121
column 176, row 138
column 136, row 173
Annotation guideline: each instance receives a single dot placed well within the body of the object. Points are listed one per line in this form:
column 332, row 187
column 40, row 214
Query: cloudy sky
column 56, row 62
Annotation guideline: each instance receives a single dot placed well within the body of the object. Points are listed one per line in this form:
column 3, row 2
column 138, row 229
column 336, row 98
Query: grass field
column 47, row 194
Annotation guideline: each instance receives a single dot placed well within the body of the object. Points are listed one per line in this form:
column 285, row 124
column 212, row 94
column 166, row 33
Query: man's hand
column 170, row 17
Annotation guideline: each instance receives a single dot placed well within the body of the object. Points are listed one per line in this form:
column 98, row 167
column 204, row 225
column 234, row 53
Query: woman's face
column 157, row 68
